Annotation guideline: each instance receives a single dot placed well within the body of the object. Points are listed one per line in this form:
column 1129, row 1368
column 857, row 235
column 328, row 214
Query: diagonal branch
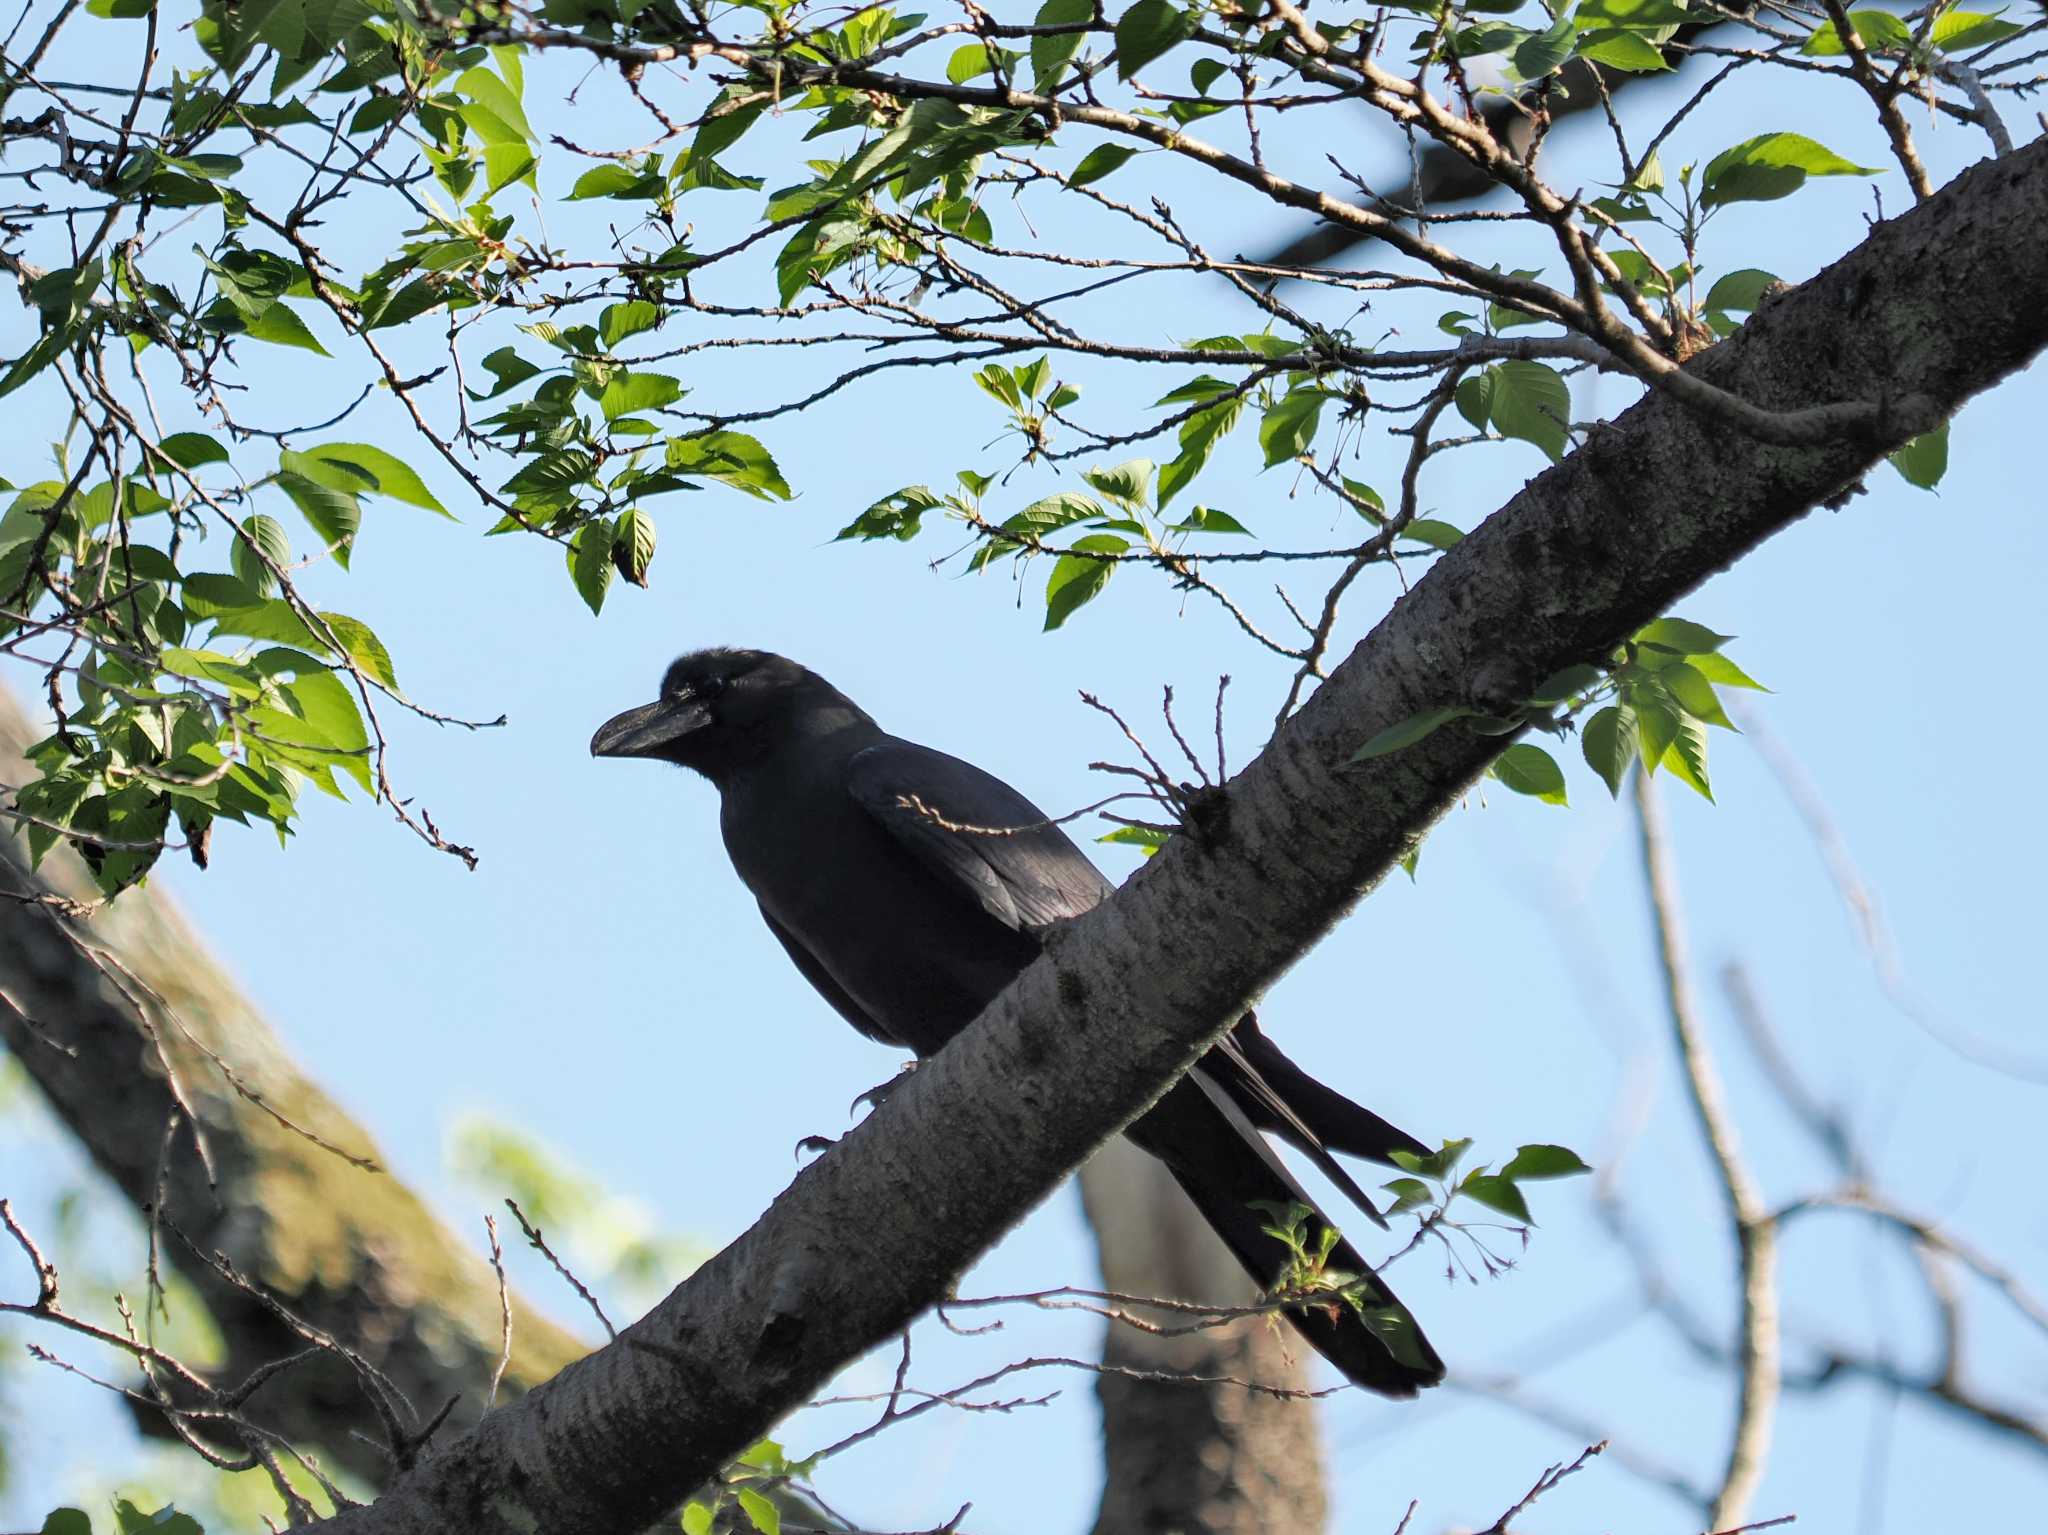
column 1940, row 304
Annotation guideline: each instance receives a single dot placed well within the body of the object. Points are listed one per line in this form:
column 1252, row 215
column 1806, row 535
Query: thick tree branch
column 348, row 1248
column 1937, row 305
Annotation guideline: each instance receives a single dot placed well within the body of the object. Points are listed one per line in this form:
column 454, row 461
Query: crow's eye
column 706, row 687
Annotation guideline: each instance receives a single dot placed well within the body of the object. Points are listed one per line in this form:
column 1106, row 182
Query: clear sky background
column 602, row 983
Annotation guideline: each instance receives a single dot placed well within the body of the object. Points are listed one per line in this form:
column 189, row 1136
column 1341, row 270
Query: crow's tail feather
column 1218, row 1156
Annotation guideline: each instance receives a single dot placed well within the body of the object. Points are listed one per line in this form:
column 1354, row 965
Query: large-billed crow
column 862, row 852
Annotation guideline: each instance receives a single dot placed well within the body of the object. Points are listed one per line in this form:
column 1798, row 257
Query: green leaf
column 1128, row 483
column 590, row 563
column 1924, row 460
column 1880, row 31
column 1438, row 535
column 1407, row 732
column 967, row 62
column 1049, row 53
column 268, row 534
column 628, row 319
column 1770, row 166
column 189, row 450
column 1686, row 755
column 1629, row 51
column 1567, row 684
column 760, row 1512
column 1409, row 1194
column 1529, row 769
column 281, row 327
column 1741, row 291
column 1290, row 426
column 1960, row 31
column 325, row 703
column 1682, row 637
column 388, row 474
column 1496, row 1193
column 633, row 545
column 1474, row 398
column 616, row 180
column 1694, row 693
column 733, row 457
column 1609, row 743
column 334, row 515
column 1541, row 1161
column 1722, row 672
column 1147, row 30
column 1544, row 52
column 1076, row 579
column 1099, row 162
column 1435, row 1164
column 362, row 647
column 628, row 393
column 1144, row 838
column 698, row 1517
column 497, row 99
column 1531, row 401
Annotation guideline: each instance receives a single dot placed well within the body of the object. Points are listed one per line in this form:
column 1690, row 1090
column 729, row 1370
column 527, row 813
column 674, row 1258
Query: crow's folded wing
column 976, row 833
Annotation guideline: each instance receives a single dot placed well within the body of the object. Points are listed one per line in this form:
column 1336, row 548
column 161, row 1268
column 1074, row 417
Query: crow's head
column 721, row 709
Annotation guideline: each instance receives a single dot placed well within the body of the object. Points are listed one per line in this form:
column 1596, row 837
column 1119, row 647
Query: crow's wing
column 976, row 833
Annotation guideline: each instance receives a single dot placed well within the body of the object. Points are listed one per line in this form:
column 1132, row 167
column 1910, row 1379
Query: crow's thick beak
column 651, row 729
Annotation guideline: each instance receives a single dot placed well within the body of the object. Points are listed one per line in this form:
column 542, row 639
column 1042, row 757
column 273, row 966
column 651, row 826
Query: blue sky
column 602, row 983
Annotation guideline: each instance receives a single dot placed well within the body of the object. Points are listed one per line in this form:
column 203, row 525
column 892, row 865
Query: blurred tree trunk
column 1193, row 1459
column 350, row 1251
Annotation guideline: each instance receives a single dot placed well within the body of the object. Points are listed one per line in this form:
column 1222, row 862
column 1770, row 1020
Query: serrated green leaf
column 1099, row 162
column 1681, row 636
column 628, row 319
column 1497, row 1193
column 1686, row 755
column 1147, row 30
column 698, row 1518
column 1529, row 769
column 1739, row 292
column 1695, row 695
column 1289, row 426
column 1770, row 166
column 760, row 1512
column 1409, row 1194
column 1880, row 31
column 1532, row 402
column 1050, row 52
column 190, row 450
column 590, row 563
column 1924, row 460
column 389, row 475
column 269, row 537
column 1077, row 579
column 732, row 457
column 1438, row 535
column 633, row 545
column 280, row 326
column 1960, row 31
column 1609, row 744
column 334, row 515
column 628, row 393
column 1407, row 732
column 1722, row 672
column 1542, row 1161
column 1144, row 838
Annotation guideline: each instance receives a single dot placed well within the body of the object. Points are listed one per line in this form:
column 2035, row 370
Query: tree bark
column 351, row 1251
column 1930, row 309
column 1198, row 1456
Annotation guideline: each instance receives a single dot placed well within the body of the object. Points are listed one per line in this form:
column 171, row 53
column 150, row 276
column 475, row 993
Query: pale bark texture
column 1202, row 1455
column 1931, row 308
column 352, row 1252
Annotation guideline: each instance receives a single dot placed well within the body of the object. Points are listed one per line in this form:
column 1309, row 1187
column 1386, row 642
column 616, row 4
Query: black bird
column 859, row 848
